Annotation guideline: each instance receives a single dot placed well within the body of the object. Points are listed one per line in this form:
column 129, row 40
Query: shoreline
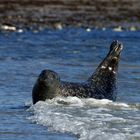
column 57, row 14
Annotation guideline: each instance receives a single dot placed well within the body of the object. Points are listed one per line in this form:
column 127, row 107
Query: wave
column 89, row 118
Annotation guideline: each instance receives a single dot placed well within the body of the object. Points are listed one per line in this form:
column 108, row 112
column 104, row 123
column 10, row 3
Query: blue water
column 74, row 54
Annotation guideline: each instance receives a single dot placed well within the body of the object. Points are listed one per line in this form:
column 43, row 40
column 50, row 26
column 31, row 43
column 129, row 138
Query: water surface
column 74, row 54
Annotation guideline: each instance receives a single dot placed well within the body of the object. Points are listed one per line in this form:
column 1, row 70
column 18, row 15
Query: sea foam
column 89, row 118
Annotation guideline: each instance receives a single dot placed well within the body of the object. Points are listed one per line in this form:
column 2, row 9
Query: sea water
column 74, row 53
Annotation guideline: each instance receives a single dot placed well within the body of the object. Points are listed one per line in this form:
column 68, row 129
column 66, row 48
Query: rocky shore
column 76, row 13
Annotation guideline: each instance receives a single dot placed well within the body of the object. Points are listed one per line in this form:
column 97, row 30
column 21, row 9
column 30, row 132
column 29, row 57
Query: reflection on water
column 74, row 54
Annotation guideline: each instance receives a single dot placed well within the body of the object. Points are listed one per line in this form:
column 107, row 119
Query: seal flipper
column 104, row 78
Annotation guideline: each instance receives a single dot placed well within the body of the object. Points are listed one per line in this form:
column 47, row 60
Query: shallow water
column 74, row 54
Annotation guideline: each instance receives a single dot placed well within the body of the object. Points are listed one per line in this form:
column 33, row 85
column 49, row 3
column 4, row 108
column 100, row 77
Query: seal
column 101, row 85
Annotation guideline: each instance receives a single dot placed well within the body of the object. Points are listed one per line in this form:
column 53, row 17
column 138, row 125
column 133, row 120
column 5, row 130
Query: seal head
column 46, row 86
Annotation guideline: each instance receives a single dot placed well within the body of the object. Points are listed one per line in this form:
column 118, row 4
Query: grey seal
column 101, row 85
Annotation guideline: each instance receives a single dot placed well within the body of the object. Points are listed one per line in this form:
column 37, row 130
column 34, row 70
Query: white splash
column 88, row 118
